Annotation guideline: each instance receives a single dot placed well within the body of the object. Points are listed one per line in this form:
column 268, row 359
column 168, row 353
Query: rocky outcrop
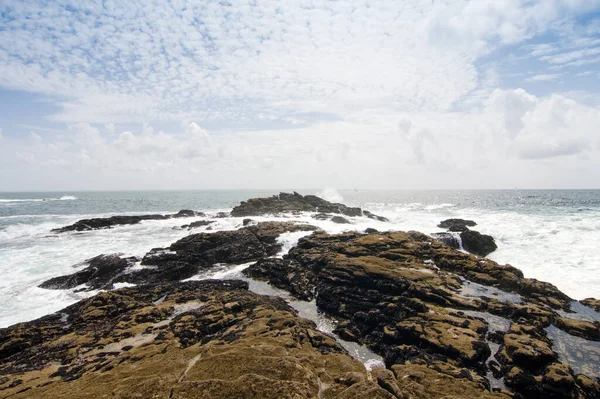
column 99, row 274
column 105, row 223
column 592, row 303
column 197, row 223
column 210, row 339
column 420, row 303
column 477, row 243
column 183, row 259
column 448, row 239
column 286, row 203
column 472, row 241
column 457, row 225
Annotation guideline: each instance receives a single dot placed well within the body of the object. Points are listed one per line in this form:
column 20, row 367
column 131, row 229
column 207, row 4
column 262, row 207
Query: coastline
column 419, row 304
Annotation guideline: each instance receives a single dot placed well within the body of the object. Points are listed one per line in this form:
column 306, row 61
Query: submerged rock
column 196, row 224
column 105, row 223
column 285, row 203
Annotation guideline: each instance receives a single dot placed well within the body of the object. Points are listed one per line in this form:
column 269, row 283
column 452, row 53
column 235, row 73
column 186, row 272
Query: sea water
column 551, row 235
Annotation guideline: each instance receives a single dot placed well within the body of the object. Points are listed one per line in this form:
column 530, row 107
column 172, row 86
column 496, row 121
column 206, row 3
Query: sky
column 388, row 94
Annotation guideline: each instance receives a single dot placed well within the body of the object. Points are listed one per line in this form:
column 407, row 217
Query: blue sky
column 244, row 94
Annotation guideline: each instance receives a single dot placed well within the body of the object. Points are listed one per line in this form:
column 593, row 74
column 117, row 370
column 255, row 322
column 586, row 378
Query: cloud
column 134, row 62
column 515, row 139
column 543, row 78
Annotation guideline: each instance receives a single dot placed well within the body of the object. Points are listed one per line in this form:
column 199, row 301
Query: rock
column 104, row 223
column 184, row 258
column 186, row 213
column 210, row 339
column 222, row 215
column 400, row 294
column 196, row 224
column 477, row 243
column 370, row 230
column 100, row 273
column 447, row 239
column 286, row 203
column 579, row 328
column 247, row 222
column 418, row 381
column 284, row 274
column 340, row 220
column 592, row 303
column 457, row 225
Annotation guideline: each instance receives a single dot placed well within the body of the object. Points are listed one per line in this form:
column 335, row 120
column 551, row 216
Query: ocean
column 551, row 235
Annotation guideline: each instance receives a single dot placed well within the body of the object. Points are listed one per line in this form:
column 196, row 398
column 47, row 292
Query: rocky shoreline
column 445, row 322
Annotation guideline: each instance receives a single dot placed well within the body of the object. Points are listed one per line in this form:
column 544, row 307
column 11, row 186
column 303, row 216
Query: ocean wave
column 63, row 198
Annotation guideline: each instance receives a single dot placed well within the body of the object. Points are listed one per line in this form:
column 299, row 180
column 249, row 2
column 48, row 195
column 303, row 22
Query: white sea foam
column 330, row 194
column 63, row 198
column 559, row 248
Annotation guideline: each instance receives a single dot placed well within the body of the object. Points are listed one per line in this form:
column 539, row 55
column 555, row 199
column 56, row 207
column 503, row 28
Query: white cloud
column 133, row 61
column 543, row 77
column 517, row 139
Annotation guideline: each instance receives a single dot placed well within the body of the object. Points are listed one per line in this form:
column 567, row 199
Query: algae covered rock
column 294, row 202
column 210, row 339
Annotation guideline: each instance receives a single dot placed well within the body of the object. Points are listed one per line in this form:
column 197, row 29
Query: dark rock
column 340, row 220
column 104, row 223
column 186, row 213
column 196, row 224
column 222, row 215
column 448, row 239
column 397, row 293
column 284, row 274
column 184, row 258
column 457, row 225
column 370, row 230
column 247, row 222
column 100, row 273
column 295, row 202
column 321, row 216
column 477, row 243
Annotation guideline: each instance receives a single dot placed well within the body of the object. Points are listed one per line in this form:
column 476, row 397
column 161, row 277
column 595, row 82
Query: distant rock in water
column 457, row 225
column 472, row 241
column 477, row 243
column 196, row 224
column 104, row 223
column 286, row 203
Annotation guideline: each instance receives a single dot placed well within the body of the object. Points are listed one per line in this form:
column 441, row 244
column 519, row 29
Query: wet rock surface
column 286, row 203
column 448, row 324
column 471, row 241
column 183, row 259
column 448, row 239
column 477, row 243
column 417, row 302
column 210, row 339
column 456, row 225
column 105, row 223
